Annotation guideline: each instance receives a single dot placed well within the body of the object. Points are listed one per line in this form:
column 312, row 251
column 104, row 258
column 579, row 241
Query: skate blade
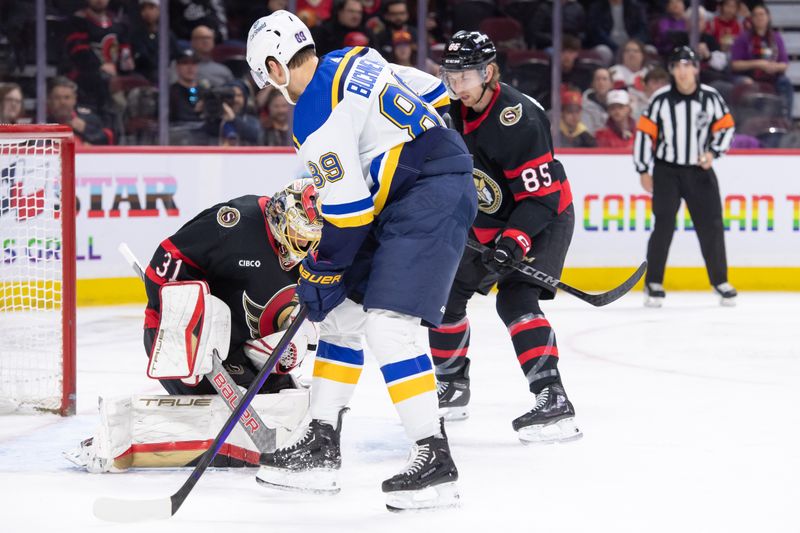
column 727, row 302
column 563, row 430
column 654, row 302
column 454, row 414
column 442, row 496
column 314, row 481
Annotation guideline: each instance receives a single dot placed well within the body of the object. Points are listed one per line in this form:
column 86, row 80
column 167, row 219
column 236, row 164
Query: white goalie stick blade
column 563, row 430
column 315, row 481
column 436, row 497
column 114, row 510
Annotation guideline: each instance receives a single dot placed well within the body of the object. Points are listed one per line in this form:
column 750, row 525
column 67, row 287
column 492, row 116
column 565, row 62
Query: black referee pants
column 700, row 190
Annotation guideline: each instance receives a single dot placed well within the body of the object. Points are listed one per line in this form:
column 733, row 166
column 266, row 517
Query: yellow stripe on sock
column 412, row 387
column 334, row 372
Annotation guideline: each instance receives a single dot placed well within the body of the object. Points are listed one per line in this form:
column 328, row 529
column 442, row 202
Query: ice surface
column 690, row 416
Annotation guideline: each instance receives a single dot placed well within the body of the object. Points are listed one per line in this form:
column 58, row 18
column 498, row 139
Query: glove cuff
column 520, row 239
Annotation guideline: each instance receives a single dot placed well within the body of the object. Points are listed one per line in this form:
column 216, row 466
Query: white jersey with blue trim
column 350, row 125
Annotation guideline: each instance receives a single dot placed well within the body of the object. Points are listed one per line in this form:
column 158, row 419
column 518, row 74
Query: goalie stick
column 116, row 510
column 262, row 436
column 549, row 282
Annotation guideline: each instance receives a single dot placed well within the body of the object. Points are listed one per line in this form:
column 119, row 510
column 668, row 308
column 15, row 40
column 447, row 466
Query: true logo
column 511, row 115
column 228, row 217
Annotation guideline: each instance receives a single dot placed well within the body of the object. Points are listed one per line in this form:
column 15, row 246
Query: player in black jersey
column 247, row 250
column 525, row 212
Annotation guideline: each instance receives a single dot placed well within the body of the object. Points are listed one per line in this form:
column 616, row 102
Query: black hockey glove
column 501, row 258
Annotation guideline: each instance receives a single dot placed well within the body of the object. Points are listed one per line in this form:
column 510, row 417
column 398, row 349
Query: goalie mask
column 295, row 221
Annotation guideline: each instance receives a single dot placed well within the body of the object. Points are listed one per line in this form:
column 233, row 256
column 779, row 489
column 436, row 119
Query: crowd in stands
column 103, row 62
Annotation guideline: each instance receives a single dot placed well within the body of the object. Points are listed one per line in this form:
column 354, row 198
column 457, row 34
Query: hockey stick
column 549, row 282
column 253, row 426
column 116, row 510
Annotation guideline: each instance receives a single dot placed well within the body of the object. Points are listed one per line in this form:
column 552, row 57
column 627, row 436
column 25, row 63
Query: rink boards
column 141, row 195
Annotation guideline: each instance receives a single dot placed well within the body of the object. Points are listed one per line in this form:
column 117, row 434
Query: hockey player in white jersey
column 397, row 202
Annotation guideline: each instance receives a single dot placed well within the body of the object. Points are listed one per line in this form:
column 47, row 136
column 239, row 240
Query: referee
column 685, row 127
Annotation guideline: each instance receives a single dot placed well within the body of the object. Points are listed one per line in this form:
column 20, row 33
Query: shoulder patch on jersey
column 228, row 217
column 490, row 196
column 511, row 115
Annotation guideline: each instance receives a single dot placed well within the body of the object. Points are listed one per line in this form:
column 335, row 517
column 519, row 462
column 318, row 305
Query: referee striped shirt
column 678, row 129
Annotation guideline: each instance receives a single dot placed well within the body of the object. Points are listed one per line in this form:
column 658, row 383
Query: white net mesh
column 31, row 344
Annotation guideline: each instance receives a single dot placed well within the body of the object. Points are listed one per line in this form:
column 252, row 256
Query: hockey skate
column 453, row 393
column 428, row 481
column 311, row 464
column 552, row 419
column 654, row 295
column 727, row 294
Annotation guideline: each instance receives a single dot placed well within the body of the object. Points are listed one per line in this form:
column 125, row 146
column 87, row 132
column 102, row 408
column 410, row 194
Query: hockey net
column 37, row 269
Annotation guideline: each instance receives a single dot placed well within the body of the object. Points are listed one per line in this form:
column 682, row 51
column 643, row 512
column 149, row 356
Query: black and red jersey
column 94, row 39
column 230, row 247
column 521, row 186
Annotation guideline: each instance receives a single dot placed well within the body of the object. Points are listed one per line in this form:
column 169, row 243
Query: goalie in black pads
column 220, row 290
column 525, row 211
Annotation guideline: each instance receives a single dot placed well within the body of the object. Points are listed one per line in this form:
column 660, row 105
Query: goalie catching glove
column 303, row 343
column 194, row 324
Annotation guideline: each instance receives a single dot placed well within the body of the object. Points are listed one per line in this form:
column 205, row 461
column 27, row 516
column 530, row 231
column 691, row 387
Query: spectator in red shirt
column 620, row 128
column 725, row 27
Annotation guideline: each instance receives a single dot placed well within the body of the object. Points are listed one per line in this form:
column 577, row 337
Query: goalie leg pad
column 173, row 431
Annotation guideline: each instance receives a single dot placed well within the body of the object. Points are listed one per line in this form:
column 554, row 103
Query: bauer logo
column 228, row 392
column 228, row 217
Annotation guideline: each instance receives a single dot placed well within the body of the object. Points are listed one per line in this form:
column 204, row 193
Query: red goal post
column 37, row 268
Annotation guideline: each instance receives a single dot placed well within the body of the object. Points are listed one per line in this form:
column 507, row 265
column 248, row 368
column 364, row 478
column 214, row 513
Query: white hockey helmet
column 280, row 35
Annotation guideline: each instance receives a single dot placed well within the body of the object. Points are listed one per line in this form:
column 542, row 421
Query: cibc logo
column 249, row 263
